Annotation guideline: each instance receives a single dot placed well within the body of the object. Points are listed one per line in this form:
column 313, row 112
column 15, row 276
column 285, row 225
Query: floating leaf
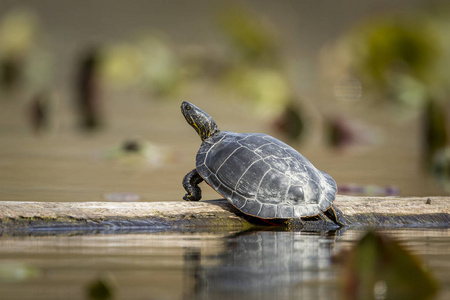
column 137, row 152
column 15, row 272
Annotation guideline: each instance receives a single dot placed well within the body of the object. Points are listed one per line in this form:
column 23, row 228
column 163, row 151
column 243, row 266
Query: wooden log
column 376, row 212
column 381, row 212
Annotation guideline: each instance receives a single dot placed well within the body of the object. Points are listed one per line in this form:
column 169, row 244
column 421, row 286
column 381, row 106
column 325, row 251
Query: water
column 65, row 165
column 197, row 265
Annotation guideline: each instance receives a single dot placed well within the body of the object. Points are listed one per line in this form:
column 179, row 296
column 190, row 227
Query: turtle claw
column 190, row 197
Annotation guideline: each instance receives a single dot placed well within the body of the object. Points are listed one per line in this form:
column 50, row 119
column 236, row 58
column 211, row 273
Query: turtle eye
column 188, row 107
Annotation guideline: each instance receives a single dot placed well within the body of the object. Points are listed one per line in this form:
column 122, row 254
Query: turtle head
column 199, row 120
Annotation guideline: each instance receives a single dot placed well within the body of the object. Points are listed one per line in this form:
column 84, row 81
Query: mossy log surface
column 375, row 212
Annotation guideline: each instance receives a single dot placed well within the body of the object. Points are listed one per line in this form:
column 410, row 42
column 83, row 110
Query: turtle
column 258, row 174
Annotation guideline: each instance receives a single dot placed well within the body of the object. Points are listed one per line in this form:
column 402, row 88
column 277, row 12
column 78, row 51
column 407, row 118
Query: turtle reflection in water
column 263, row 265
column 258, row 174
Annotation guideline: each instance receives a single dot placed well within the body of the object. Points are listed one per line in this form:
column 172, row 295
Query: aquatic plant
column 378, row 267
column 24, row 58
column 252, row 38
column 147, row 62
column 87, row 87
column 103, row 288
column 255, row 70
column 396, row 56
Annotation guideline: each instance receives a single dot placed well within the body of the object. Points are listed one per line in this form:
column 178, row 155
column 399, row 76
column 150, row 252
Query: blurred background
column 90, row 92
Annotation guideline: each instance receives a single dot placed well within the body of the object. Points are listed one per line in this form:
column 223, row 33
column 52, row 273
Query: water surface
column 206, row 265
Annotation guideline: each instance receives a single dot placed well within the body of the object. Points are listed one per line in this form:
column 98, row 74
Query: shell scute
column 218, row 154
column 238, row 201
column 234, row 166
column 254, row 141
column 271, row 148
column 285, row 211
column 278, row 163
column 269, row 211
column 295, row 195
column 247, row 184
column 253, row 207
column 273, row 187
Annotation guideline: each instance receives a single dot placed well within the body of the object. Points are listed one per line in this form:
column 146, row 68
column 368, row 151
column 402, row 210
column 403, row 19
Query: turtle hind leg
column 336, row 215
column 190, row 184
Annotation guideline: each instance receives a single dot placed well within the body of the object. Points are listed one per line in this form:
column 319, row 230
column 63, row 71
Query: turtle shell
column 264, row 177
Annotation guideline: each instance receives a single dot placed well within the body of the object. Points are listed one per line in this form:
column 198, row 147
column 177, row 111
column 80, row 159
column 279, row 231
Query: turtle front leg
column 336, row 215
column 190, row 184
